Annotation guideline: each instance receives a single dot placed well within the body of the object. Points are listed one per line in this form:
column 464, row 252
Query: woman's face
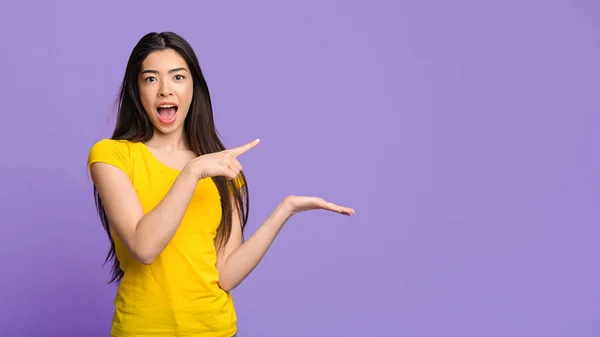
column 166, row 89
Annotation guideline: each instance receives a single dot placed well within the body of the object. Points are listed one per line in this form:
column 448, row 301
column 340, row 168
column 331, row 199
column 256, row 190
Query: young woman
column 174, row 201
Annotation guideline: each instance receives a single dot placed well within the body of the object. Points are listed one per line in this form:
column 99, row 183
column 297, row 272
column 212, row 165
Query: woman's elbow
column 227, row 286
column 144, row 257
column 145, row 260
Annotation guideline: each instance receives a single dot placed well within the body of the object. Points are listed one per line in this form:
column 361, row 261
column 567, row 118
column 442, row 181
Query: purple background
column 464, row 134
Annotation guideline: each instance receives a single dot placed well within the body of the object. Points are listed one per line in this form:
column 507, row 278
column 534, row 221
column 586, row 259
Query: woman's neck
column 176, row 141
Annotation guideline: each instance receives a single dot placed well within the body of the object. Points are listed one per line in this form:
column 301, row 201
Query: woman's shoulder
column 112, row 145
column 110, row 151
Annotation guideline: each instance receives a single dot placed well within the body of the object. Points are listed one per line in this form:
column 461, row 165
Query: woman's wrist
column 285, row 208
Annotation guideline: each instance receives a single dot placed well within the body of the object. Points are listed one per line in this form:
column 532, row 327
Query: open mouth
column 167, row 112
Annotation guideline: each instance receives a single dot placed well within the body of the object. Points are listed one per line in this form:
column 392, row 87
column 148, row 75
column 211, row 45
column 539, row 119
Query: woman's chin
column 167, row 128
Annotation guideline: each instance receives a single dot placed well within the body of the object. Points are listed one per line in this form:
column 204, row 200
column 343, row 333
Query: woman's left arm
column 235, row 261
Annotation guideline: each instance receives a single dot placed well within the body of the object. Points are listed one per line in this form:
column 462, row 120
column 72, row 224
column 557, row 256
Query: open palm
column 305, row 203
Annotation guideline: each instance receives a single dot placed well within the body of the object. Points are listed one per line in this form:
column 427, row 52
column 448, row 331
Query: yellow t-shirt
column 178, row 294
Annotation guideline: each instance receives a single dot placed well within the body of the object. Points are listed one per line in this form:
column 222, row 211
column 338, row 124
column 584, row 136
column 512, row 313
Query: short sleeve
column 110, row 151
column 237, row 183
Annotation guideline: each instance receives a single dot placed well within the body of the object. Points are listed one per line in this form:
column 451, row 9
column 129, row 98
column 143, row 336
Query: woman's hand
column 223, row 163
column 295, row 204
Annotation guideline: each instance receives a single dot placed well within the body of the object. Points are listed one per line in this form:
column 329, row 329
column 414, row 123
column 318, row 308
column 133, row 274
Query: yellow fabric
column 178, row 294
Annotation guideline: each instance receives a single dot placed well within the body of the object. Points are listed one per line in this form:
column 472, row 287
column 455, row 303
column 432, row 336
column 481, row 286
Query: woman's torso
column 178, row 293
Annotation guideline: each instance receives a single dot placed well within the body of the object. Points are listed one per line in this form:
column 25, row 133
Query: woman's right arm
column 145, row 236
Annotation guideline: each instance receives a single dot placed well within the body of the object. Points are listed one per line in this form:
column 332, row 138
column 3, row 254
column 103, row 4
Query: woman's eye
column 179, row 77
column 150, row 79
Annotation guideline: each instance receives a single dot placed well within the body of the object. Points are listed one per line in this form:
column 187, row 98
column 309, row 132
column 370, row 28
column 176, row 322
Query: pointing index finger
column 244, row 148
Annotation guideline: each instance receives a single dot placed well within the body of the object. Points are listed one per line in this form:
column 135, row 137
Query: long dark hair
column 134, row 125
